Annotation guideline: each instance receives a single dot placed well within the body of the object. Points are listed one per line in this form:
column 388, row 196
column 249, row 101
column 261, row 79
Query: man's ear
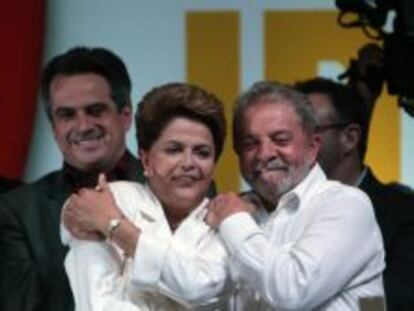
column 314, row 146
column 350, row 137
column 126, row 115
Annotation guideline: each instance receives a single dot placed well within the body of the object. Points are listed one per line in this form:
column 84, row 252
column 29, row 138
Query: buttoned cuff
column 148, row 260
column 237, row 228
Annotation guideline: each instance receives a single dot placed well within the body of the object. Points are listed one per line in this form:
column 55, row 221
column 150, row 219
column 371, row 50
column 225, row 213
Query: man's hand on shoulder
column 225, row 205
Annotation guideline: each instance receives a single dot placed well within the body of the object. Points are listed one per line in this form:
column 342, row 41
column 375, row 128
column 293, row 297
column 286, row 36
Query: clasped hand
column 87, row 213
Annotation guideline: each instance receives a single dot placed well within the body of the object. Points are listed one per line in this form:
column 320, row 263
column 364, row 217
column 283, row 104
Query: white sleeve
column 194, row 273
column 94, row 272
column 164, row 264
column 303, row 274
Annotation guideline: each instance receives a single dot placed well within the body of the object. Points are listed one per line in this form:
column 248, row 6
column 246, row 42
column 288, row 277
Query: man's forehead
column 80, row 79
column 271, row 118
column 84, row 106
column 271, row 109
column 79, row 91
column 321, row 104
column 272, row 100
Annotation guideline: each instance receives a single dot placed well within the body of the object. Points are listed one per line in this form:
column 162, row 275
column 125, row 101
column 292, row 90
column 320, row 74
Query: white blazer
column 182, row 270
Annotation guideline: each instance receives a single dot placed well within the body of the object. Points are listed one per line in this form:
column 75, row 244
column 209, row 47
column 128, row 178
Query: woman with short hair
column 157, row 252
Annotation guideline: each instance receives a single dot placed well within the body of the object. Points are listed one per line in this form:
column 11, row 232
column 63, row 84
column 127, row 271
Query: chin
column 188, row 196
column 183, row 195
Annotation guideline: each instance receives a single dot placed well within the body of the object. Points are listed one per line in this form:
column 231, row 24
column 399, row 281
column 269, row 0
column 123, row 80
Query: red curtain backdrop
column 22, row 26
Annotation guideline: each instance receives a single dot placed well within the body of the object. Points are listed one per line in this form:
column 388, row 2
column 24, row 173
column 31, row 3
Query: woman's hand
column 88, row 212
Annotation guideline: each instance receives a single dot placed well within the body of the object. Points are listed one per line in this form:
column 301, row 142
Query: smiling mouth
column 264, row 170
column 185, row 180
column 88, row 144
column 87, row 138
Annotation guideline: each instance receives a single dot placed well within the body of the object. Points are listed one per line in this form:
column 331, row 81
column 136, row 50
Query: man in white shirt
column 299, row 249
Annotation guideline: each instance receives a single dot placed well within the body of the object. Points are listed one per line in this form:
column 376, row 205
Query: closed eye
column 204, row 152
column 64, row 114
column 173, row 150
column 283, row 139
column 96, row 110
column 248, row 144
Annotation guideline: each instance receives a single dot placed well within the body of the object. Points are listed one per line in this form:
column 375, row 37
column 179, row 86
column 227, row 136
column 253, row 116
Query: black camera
column 398, row 45
column 399, row 64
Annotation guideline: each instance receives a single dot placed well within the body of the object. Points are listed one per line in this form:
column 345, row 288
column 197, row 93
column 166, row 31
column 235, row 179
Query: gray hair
column 273, row 92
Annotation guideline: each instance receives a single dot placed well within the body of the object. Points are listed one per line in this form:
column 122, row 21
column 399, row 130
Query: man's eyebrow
column 64, row 108
column 281, row 132
column 97, row 103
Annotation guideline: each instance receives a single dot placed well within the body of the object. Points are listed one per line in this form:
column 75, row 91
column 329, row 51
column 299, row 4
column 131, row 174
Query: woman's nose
column 187, row 160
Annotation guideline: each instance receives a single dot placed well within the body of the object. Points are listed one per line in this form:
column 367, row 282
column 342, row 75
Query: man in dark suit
column 343, row 125
column 87, row 98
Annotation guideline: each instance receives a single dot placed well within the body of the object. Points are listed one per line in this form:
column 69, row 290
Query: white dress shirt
column 187, row 269
column 321, row 249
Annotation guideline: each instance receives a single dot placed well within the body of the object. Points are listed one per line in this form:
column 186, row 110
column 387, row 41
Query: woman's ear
column 350, row 138
column 143, row 156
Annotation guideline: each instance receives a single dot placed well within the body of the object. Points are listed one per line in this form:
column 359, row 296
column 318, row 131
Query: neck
column 111, row 165
column 348, row 171
column 175, row 216
column 259, row 200
column 270, row 207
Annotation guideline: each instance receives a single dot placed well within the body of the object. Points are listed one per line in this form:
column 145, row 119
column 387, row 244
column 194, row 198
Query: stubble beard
column 272, row 190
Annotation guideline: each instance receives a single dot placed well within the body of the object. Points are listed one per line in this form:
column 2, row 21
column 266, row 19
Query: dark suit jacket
column 394, row 209
column 7, row 184
column 32, row 276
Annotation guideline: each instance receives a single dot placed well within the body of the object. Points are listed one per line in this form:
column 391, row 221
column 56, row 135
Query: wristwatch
column 113, row 224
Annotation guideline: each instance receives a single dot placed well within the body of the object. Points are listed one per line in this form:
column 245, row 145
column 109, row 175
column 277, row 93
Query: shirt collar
column 77, row 179
column 293, row 198
column 361, row 177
